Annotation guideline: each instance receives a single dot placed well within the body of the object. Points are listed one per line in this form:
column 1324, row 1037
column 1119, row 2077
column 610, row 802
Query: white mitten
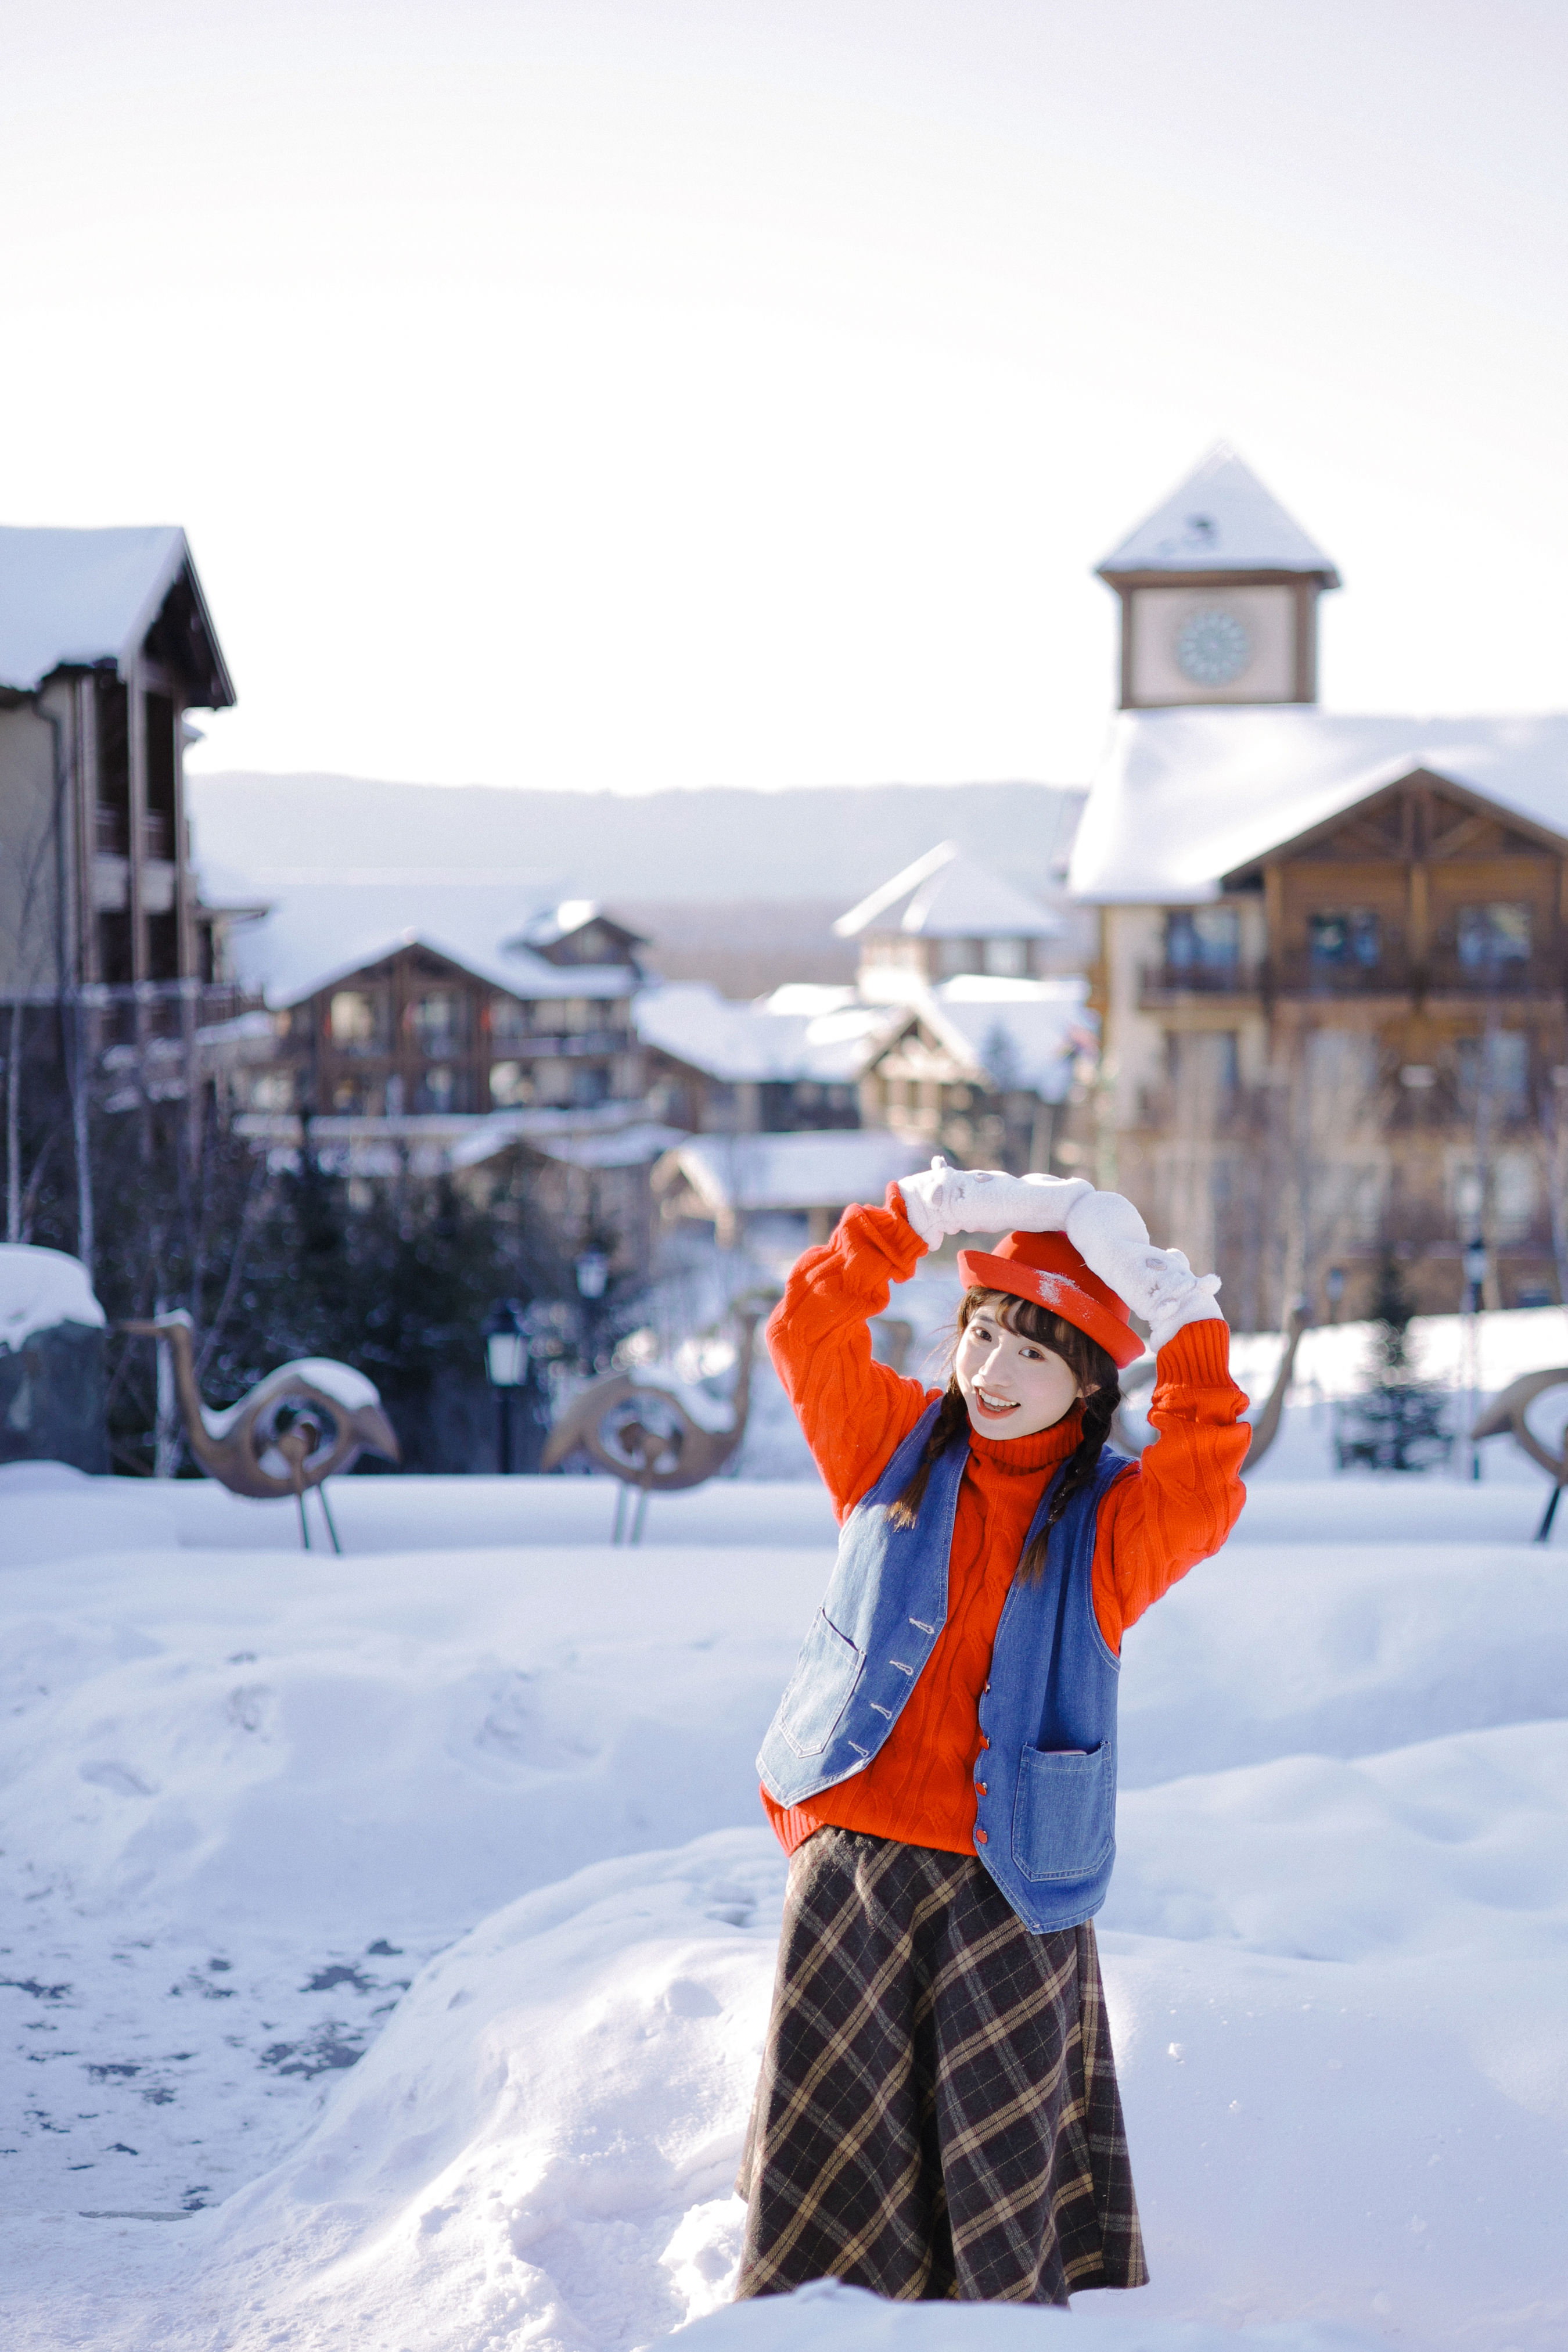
column 943, row 1201
column 1158, row 1285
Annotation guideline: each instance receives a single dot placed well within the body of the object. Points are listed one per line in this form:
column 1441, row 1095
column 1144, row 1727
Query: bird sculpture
column 1504, row 1417
column 1265, row 1426
column 645, row 1437
column 296, row 1428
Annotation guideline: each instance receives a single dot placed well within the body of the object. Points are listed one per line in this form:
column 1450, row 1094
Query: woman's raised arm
column 855, row 1412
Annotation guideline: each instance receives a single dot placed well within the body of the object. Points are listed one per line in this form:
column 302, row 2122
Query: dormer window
column 1007, row 958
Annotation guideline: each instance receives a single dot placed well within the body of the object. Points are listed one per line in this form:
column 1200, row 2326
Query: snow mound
column 830, row 2317
column 41, row 1287
column 541, row 2148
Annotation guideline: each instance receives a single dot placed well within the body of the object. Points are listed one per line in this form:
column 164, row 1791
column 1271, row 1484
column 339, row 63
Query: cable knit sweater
column 1155, row 1523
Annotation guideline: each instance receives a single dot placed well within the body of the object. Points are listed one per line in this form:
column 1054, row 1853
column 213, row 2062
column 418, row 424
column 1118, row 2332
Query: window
column 1345, row 939
column 436, row 1021
column 356, row 1021
column 507, row 1017
column 437, row 1088
column 1204, row 1067
column 1490, row 938
column 1203, row 939
column 510, row 1084
column 1007, row 958
column 956, row 955
column 1499, row 1064
column 1512, row 1189
column 273, row 1090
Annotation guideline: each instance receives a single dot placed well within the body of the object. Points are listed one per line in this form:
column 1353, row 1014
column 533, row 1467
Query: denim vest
column 1046, row 1824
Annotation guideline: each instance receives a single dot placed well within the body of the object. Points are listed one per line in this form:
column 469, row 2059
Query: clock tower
column 1219, row 594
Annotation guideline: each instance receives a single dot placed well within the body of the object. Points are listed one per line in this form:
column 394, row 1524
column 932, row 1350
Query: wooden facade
column 418, row 1034
column 1361, row 1044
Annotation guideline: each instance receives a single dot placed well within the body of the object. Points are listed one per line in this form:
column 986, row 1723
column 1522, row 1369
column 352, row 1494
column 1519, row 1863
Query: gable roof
column 554, row 924
column 315, row 934
column 820, row 1170
column 737, row 1042
column 1182, row 798
column 1221, row 519
column 1010, row 1032
column 75, row 599
column 947, row 895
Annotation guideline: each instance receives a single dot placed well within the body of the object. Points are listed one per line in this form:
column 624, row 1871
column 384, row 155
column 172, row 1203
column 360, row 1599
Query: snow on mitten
column 943, row 1201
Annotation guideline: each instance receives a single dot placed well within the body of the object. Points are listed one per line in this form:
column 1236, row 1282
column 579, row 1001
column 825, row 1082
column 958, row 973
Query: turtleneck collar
column 1026, row 1456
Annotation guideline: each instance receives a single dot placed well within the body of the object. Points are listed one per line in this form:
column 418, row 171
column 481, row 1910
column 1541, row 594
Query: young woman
column 937, row 2114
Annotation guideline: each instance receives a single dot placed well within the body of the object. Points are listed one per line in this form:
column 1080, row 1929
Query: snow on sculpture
column 295, row 1429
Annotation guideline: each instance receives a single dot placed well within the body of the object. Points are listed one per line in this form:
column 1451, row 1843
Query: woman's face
column 1012, row 1386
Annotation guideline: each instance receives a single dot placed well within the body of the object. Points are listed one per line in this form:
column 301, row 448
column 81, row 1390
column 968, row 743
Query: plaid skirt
column 937, row 2114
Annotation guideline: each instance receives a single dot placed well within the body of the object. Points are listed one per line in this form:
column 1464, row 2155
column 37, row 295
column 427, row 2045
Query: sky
column 631, row 394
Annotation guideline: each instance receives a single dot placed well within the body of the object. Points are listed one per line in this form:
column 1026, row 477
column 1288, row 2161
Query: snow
column 1221, row 519
column 316, row 933
column 41, row 1287
column 947, row 895
column 1021, row 1033
column 409, row 1914
column 823, row 1170
column 80, row 596
column 1182, row 798
column 829, row 1044
column 339, row 1382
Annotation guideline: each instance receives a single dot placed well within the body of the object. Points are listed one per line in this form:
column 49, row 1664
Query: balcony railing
column 1393, row 973
column 1160, row 982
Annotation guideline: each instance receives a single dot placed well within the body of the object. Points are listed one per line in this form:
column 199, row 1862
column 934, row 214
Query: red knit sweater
column 1154, row 1524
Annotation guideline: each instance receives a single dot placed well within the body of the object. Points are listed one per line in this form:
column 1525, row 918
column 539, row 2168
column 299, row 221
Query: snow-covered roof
column 317, row 934
column 553, row 924
column 826, row 1171
column 73, row 598
column 738, row 1043
column 948, row 896
column 1016, row 1033
column 41, row 1287
column 1183, row 797
column 1221, row 519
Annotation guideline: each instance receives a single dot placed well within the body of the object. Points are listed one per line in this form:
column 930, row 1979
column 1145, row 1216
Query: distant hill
column 738, row 889
column 828, row 844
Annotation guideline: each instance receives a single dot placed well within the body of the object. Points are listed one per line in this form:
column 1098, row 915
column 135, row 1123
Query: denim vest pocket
column 1064, row 1815
column 820, row 1689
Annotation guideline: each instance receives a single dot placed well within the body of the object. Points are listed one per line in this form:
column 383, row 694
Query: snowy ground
column 385, row 1942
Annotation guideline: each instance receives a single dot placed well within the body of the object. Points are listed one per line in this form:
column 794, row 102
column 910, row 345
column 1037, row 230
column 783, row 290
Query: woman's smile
column 1012, row 1386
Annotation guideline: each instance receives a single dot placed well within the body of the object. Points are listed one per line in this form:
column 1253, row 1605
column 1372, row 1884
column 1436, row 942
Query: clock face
column 1212, row 647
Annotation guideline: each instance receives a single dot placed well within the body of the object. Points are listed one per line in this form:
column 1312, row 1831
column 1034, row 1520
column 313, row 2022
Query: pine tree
column 1400, row 1423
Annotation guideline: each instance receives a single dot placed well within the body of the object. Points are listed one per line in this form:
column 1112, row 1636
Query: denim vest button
column 981, row 1788
column 980, row 1838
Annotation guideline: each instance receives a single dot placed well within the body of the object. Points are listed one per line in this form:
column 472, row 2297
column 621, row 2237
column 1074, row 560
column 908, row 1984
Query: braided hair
column 1097, row 1379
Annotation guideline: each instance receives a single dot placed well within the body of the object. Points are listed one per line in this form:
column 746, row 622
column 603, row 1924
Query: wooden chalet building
column 105, row 642
column 1333, row 951
column 403, row 1000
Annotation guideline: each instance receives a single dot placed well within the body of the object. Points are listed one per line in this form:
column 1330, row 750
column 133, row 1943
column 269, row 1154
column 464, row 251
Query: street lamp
column 1475, row 1262
column 592, row 1274
column 506, row 1369
column 592, row 1271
